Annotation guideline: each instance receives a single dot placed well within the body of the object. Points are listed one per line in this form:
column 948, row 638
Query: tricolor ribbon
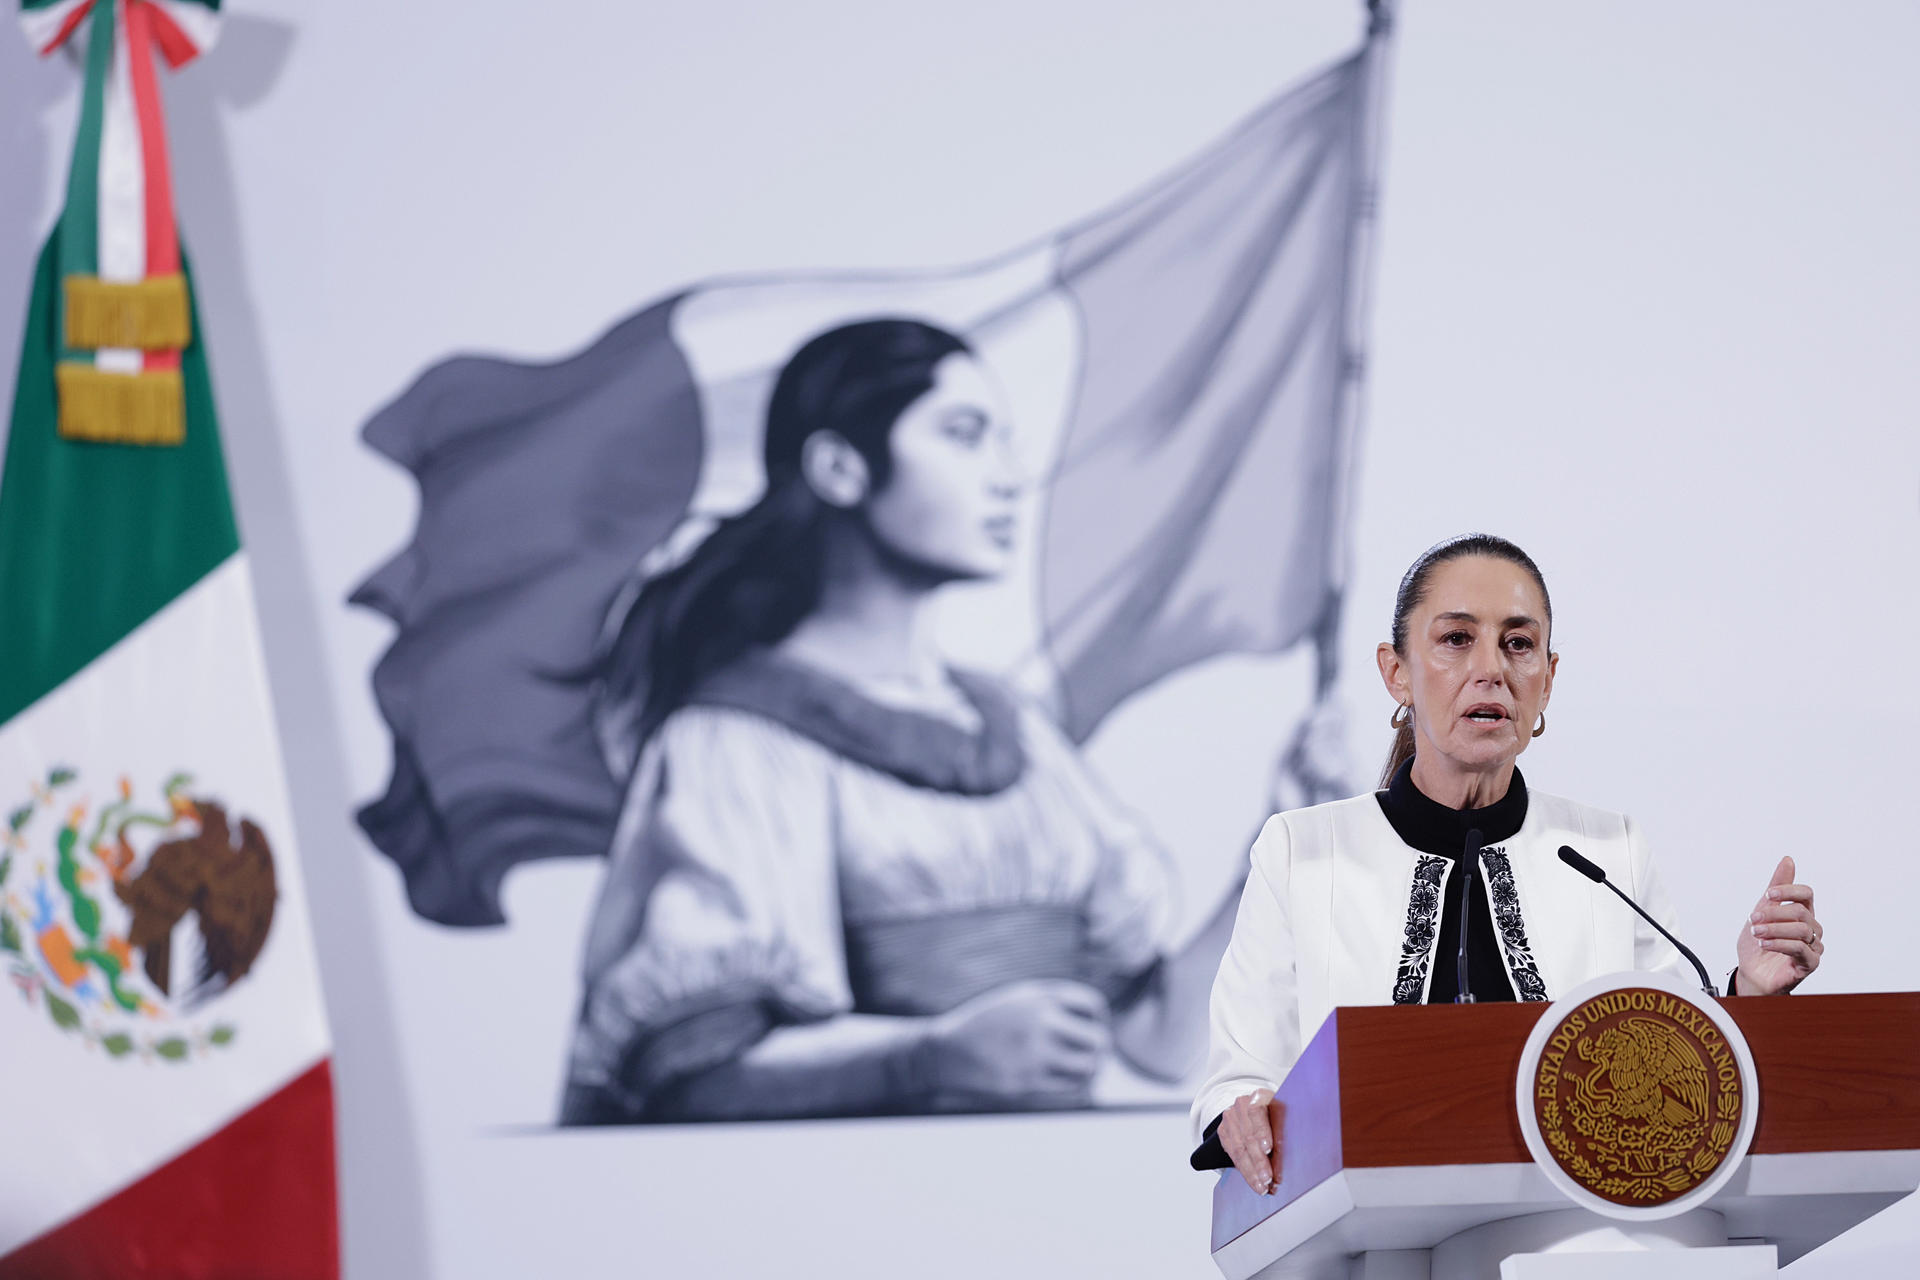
column 125, row 315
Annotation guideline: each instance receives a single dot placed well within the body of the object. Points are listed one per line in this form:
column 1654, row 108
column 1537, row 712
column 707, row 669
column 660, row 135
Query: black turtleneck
column 1431, row 827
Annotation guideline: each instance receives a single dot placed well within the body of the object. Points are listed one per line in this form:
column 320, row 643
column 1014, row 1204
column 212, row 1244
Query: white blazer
column 1339, row 911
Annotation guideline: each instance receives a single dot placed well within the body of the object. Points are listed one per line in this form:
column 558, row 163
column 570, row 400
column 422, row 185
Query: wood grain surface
column 1434, row 1084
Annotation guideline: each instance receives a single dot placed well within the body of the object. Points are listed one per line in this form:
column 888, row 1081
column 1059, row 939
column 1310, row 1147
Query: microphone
column 1595, row 874
column 1469, row 861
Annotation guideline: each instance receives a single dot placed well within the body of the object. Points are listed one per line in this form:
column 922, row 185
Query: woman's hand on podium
column 1249, row 1136
column 1782, row 942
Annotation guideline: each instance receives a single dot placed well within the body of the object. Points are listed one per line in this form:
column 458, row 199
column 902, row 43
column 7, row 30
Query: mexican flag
column 1182, row 370
column 163, row 1047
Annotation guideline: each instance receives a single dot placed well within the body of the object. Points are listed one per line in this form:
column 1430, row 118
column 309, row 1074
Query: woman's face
column 1476, row 670
column 948, row 506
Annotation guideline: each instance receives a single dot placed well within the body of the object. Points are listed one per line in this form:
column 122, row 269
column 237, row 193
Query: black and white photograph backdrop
column 797, row 545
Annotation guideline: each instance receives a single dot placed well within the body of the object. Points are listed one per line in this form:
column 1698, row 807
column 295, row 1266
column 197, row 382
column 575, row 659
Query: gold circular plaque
column 1638, row 1095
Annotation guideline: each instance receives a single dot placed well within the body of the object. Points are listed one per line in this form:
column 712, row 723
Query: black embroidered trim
column 1525, row 971
column 1423, row 918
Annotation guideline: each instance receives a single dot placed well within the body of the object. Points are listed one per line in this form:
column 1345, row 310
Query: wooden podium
column 1403, row 1159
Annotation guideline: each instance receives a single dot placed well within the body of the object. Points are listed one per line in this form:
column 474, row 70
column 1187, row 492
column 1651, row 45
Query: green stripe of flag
column 80, row 220
column 96, row 538
column 80, row 248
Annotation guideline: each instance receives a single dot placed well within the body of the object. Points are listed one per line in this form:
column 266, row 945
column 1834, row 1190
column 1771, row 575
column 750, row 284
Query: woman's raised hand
column 1024, row 1042
column 1248, row 1135
column 1782, row 941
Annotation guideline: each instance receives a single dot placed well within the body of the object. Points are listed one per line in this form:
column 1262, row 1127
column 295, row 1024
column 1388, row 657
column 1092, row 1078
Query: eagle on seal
column 1644, row 1070
column 227, row 884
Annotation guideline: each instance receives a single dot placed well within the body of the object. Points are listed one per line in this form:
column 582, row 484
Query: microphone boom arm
column 1594, row 873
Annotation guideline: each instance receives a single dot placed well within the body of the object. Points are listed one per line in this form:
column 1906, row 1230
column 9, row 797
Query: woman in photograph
column 1350, row 903
column 848, row 879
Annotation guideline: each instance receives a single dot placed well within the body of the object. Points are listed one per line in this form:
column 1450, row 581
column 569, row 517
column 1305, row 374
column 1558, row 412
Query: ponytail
column 1400, row 752
column 759, row 574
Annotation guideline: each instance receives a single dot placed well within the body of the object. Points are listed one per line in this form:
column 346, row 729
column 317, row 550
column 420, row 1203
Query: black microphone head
column 1580, row 864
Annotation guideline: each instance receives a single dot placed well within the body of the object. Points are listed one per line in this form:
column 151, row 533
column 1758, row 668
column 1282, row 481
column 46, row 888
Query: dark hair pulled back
column 1413, row 591
column 759, row 574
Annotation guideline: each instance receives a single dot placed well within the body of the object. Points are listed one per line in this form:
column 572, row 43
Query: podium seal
column 1637, row 1096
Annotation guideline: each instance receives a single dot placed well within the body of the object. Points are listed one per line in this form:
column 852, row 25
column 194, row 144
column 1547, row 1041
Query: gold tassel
column 146, row 315
column 148, row 407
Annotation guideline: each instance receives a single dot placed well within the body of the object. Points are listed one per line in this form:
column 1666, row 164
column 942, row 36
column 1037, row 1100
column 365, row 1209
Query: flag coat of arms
column 163, row 1047
column 1182, row 374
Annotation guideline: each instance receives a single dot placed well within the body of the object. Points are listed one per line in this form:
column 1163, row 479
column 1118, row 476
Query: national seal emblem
column 1636, row 1096
column 125, row 920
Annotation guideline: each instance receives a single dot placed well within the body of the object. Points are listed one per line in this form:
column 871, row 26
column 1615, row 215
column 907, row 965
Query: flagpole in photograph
column 1314, row 765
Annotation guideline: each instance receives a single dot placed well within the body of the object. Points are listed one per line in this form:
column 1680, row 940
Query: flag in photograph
column 1179, row 371
column 165, row 1072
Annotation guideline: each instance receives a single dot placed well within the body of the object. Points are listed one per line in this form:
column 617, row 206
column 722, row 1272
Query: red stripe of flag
column 255, row 1201
column 172, row 42
column 71, row 21
column 163, row 244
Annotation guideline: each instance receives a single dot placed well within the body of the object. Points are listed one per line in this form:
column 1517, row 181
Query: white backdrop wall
column 1646, row 298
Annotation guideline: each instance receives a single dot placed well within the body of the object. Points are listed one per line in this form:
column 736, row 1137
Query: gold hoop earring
column 1542, row 726
column 1401, row 717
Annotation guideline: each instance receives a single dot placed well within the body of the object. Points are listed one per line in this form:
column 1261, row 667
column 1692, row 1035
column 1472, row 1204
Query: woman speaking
column 1349, row 903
